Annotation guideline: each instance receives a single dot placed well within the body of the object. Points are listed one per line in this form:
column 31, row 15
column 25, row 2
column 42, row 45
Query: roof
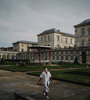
column 53, row 30
column 83, row 23
column 27, row 42
column 67, row 34
column 39, row 46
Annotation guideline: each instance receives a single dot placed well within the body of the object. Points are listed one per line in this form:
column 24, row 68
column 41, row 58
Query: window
column 82, row 31
column 41, row 39
column 22, row 45
column 57, row 53
column 72, row 57
column 57, row 57
column 45, row 38
column 66, row 40
column 66, row 57
column 48, row 38
column 57, row 37
column 62, row 57
column 71, row 52
column 66, row 52
column 88, row 31
column 71, row 41
column 82, row 43
column 62, row 52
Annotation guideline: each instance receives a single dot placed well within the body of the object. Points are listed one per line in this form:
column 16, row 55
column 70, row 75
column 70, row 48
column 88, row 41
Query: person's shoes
column 47, row 97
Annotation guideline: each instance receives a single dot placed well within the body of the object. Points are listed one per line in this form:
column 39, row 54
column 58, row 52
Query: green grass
column 25, row 68
column 13, row 67
column 73, row 65
column 18, row 68
column 60, row 74
column 8, row 63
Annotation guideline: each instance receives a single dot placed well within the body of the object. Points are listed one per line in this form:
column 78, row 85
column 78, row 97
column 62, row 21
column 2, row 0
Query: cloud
column 24, row 19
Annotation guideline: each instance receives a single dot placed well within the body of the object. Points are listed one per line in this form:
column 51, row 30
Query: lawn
column 15, row 67
column 73, row 75
column 73, row 65
column 63, row 75
column 25, row 68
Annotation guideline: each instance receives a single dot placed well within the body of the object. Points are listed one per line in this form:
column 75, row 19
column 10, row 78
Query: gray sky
column 24, row 19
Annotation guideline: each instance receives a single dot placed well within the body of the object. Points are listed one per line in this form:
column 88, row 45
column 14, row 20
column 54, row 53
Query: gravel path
column 19, row 82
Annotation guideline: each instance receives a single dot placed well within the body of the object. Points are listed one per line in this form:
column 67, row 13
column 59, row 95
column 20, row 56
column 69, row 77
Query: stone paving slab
column 19, row 82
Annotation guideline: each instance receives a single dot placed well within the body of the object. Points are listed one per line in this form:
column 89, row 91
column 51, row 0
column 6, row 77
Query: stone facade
column 82, row 34
column 22, row 46
column 56, row 39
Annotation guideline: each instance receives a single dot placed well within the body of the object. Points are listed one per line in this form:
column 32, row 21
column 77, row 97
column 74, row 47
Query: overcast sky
column 24, row 19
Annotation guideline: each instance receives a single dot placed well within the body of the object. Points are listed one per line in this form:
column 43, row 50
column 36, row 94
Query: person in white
column 46, row 77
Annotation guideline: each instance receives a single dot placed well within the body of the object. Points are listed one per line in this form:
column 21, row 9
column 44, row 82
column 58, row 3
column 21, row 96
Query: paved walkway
column 11, row 82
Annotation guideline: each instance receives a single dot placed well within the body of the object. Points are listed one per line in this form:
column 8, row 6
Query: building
column 65, row 55
column 56, row 39
column 6, row 49
column 53, row 46
column 22, row 46
column 8, row 55
column 82, row 33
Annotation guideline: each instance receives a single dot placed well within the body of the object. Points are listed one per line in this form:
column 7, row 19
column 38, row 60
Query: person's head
column 46, row 69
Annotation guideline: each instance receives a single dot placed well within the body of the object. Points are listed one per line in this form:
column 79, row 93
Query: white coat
column 46, row 80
